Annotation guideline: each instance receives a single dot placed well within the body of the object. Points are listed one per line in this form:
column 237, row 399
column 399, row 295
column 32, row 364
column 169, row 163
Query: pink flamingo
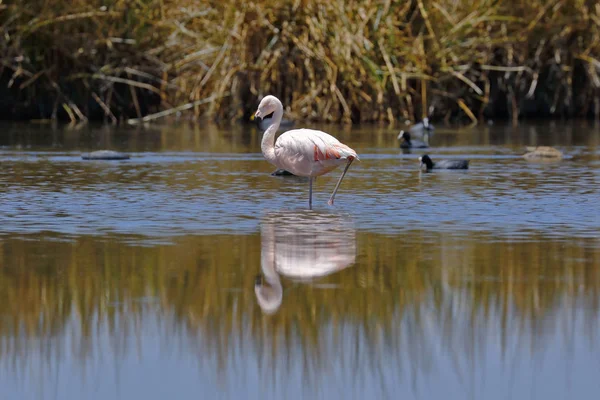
column 303, row 152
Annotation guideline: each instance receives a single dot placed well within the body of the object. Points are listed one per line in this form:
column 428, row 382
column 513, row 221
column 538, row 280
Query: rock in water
column 281, row 172
column 105, row 155
column 543, row 153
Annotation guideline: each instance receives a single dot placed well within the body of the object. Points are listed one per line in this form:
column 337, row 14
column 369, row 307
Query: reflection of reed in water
column 413, row 301
column 301, row 245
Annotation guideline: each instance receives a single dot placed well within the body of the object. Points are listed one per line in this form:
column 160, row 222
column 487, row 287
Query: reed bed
column 332, row 61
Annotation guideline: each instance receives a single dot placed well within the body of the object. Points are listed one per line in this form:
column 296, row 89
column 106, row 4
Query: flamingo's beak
column 258, row 281
column 257, row 116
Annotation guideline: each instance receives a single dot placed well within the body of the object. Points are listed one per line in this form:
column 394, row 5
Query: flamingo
column 303, row 152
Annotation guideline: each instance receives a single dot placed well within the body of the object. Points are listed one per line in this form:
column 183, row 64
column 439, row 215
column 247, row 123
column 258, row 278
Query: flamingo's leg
column 330, row 202
column 310, row 182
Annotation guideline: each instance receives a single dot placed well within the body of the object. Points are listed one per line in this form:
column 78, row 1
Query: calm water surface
column 188, row 271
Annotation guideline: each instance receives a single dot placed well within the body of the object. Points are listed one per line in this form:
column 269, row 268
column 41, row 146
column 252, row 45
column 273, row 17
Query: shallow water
column 189, row 270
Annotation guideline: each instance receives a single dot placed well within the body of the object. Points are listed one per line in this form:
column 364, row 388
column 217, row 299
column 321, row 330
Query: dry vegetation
column 328, row 60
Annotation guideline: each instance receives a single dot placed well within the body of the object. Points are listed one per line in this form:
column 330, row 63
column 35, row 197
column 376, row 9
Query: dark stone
column 105, row 155
column 281, row 172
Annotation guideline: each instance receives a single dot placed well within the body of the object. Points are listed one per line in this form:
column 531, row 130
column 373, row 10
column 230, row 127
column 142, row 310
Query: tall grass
column 351, row 61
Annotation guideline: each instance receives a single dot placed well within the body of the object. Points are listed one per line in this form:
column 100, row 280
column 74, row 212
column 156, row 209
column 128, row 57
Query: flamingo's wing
column 310, row 152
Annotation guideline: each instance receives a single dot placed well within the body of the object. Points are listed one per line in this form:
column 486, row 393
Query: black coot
column 428, row 164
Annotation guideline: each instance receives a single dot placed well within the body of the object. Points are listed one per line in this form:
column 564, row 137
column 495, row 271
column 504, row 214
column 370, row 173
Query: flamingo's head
column 267, row 106
column 269, row 296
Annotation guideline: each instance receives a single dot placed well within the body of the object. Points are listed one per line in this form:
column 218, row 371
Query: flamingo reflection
column 301, row 246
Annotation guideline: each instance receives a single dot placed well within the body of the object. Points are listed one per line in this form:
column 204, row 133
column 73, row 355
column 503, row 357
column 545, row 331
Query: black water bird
column 428, row 164
column 407, row 143
column 422, row 130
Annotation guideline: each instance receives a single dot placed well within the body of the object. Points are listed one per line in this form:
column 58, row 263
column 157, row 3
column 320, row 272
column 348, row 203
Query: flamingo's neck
column 268, row 268
column 268, row 140
column 272, row 283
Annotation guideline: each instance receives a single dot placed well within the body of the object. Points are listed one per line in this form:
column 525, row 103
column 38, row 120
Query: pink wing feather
column 308, row 152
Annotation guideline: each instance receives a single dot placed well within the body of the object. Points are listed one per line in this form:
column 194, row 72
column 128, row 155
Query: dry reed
column 352, row 61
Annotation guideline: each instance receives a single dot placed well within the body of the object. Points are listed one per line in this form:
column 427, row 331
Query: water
column 189, row 270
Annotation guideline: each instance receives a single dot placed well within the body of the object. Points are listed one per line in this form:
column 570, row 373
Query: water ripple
column 175, row 193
